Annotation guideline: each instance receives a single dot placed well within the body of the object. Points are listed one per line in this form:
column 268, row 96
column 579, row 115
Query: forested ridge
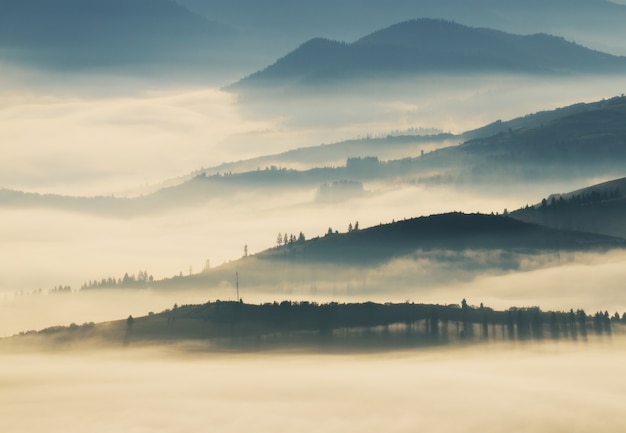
column 241, row 326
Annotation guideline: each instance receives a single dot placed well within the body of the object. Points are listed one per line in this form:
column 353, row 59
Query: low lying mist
column 44, row 248
column 560, row 282
column 67, row 138
column 495, row 387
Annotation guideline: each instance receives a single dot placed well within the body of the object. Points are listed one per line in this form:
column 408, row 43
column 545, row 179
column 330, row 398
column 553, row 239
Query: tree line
column 420, row 322
column 142, row 279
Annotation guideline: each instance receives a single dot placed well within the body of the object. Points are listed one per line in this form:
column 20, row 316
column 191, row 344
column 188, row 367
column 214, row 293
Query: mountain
column 70, row 34
column 431, row 46
column 599, row 209
column 67, row 33
column 275, row 24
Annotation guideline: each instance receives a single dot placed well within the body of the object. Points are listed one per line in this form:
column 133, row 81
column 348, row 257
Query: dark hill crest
column 450, row 231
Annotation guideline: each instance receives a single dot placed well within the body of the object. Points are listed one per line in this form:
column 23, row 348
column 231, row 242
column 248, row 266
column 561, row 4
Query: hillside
column 291, row 325
column 429, row 46
column 452, row 231
column 599, row 208
column 586, row 142
column 432, row 250
column 71, row 34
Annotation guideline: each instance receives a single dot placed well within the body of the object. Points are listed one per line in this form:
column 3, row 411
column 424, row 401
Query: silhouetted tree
column 581, row 317
column 554, row 326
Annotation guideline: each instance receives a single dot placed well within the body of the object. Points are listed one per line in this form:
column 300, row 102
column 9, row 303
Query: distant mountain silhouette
column 275, row 24
column 85, row 33
column 599, row 208
column 427, row 46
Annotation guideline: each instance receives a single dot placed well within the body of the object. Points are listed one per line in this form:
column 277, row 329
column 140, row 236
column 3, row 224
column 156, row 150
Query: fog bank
column 533, row 387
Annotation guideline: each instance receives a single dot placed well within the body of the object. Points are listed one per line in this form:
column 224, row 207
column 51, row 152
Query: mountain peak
column 432, row 45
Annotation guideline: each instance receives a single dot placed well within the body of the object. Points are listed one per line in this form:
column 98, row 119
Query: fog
column 44, row 248
column 530, row 387
column 74, row 144
column 559, row 282
column 69, row 140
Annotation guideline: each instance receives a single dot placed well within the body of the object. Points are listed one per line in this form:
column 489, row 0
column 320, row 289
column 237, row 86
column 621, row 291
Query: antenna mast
column 237, row 284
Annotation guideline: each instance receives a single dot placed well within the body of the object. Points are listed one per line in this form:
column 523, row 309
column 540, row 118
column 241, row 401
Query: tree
column 356, row 226
column 349, row 227
column 245, row 250
column 279, row 239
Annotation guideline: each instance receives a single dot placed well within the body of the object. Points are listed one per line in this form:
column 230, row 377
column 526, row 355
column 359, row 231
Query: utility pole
column 237, row 284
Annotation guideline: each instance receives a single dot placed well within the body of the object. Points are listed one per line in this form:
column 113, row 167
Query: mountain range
column 274, row 24
column 210, row 34
column 426, row 46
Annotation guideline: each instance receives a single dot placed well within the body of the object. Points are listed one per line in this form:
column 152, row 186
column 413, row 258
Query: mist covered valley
column 153, row 181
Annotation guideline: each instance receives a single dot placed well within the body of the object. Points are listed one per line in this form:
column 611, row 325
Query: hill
column 429, row 46
column 291, row 325
column 70, row 34
column 585, row 142
column 432, row 250
column 599, row 208
column 452, row 231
